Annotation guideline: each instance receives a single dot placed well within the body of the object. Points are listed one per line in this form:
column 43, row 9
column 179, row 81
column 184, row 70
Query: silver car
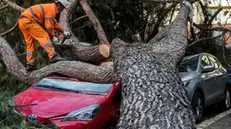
column 206, row 82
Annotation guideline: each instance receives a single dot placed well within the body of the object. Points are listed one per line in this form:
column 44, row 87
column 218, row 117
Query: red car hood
column 47, row 104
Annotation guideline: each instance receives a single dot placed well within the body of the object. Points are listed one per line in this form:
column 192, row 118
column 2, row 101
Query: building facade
column 223, row 19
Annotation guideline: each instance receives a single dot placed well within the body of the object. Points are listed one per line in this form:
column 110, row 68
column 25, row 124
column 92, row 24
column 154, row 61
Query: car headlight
column 12, row 106
column 85, row 114
column 186, row 83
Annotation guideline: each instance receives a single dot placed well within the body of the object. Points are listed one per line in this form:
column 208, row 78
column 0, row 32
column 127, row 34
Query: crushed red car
column 69, row 103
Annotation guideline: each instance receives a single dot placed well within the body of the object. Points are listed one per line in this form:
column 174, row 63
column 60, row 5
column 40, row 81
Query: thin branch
column 214, row 16
column 204, row 12
column 228, row 37
column 211, row 29
column 10, row 30
column 150, row 25
column 14, row 5
column 95, row 21
column 5, row 6
column 160, row 19
column 203, row 39
column 79, row 18
column 80, row 27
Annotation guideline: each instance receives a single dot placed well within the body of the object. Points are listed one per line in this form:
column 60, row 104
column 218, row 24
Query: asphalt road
column 216, row 118
column 212, row 111
column 224, row 123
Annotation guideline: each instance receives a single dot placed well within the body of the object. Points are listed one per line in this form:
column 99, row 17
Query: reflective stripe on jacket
column 44, row 14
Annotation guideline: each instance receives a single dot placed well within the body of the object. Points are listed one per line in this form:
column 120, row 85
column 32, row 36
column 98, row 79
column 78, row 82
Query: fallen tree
column 152, row 92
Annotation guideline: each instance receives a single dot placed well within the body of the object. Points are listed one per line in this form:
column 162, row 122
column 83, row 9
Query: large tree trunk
column 153, row 96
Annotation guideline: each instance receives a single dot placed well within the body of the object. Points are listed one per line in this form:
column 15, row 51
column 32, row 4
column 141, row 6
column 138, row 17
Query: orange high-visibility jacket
column 44, row 14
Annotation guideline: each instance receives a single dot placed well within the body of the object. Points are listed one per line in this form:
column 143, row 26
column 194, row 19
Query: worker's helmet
column 64, row 2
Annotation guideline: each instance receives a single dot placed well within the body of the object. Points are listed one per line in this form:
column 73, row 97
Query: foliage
column 123, row 19
column 9, row 88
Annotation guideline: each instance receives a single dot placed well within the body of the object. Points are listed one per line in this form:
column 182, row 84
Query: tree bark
column 76, row 69
column 14, row 6
column 153, row 96
column 95, row 54
column 4, row 7
column 94, row 20
column 80, row 52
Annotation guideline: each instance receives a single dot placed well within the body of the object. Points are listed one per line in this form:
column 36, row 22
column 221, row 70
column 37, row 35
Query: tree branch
column 94, row 20
column 79, row 18
column 64, row 21
column 203, row 39
column 160, row 19
column 204, row 12
column 76, row 69
column 5, row 6
column 95, row 54
column 14, row 66
column 211, row 29
column 14, row 6
column 150, row 24
column 172, row 40
column 214, row 16
column 10, row 30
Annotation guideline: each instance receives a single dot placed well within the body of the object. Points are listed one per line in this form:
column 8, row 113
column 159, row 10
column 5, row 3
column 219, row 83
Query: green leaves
column 226, row 12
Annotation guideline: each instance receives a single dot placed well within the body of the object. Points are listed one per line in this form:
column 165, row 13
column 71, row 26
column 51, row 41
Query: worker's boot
column 56, row 58
column 30, row 67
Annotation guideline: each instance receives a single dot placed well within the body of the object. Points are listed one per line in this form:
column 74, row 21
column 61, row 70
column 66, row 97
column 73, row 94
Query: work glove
column 67, row 34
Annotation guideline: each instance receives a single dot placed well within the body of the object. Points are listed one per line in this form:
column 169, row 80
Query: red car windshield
column 73, row 86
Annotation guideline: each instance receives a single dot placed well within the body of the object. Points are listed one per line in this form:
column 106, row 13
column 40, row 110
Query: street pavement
column 218, row 121
column 223, row 123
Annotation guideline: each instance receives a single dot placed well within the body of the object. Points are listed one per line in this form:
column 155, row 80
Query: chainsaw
column 67, row 35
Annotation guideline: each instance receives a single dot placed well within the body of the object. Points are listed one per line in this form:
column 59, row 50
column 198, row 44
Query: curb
column 210, row 121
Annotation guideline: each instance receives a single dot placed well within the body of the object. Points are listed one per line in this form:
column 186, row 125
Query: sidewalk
column 224, row 123
column 221, row 121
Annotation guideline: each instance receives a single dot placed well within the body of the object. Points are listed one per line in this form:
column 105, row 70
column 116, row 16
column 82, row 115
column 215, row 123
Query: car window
column 189, row 64
column 214, row 62
column 74, row 86
column 205, row 60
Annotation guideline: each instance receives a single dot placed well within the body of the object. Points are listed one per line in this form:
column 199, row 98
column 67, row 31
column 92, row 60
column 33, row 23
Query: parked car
column 206, row 82
column 229, row 73
column 69, row 103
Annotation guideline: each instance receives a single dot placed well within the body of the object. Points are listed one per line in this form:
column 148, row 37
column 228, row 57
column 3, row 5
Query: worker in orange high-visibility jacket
column 38, row 23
